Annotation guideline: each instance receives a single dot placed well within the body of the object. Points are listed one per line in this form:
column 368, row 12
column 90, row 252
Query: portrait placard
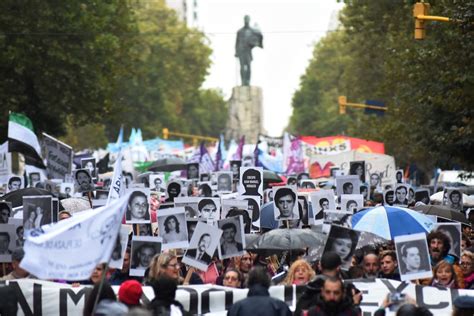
column 202, row 246
column 172, row 228
column 209, row 209
column 5, row 211
column 90, row 164
column 413, row 257
column 232, row 243
column 322, row 200
column 388, row 197
column 455, row 198
column 224, row 181
column 173, row 190
column 235, row 168
column 347, row 185
column 7, row 242
column 399, row 176
column 357, row 168
column 142, row 230
column 401, row 194
column 285, row 203
column 118, row 253
column 37, row 211
column 138, row 206
column 251, row 215
column 230, row 204
column 192, row 170
column 14, row 183
column 342, row 241
column 308, row 184
column 143, row 250
column 453, row 232
column 352, row 202
column 157, row 182
column 251, row 181
column 67, row 189
column 83, row 181
column 190, row 205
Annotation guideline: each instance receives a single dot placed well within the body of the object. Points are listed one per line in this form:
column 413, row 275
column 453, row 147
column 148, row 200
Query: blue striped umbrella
column 391, row 221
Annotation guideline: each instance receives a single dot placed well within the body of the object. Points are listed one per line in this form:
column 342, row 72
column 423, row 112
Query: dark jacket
column 259, row 302
column 390, row 276
column 163, row 307
column 310, row 294
column 192, row 253
column 118, row 278
column 343, row 308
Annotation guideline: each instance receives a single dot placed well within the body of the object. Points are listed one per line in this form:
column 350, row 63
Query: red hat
column 130, row 292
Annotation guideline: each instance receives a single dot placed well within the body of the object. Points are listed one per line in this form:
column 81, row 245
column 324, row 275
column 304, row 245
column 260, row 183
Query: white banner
column 70, row 249
column 48, row 298
column 5, row 163
column 117, row 187
column 383, row 165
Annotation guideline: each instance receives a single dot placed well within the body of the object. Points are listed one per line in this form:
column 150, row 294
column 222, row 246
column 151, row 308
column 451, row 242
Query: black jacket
column 310, row 294
column 259, row 303
column 343, row 308
column 163, row 308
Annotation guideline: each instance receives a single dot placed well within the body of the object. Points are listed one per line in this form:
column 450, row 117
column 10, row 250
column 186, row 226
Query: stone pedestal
column 245, row 114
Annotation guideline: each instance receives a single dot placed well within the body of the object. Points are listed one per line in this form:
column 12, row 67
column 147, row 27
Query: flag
column 72, row 248
column 240, row 149
column 120, row 137
column 218, row 165
column 206, row 165
column 117, row 187
column 22, row 139
column 295, row 159
column 256, row 153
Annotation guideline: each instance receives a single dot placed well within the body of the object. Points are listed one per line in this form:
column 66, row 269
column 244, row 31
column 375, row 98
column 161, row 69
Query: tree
column 62, row 59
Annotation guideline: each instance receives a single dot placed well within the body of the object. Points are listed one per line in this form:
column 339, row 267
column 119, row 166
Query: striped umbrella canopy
column 391, row 221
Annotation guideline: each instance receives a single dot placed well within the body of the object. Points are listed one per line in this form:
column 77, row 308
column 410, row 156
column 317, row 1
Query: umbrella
column 250, row 240
column 443, row 211
column 289, row 238
column 271, row 176
column 168, row 164
column 390, row 221
column 16, row 197
column 74, row 205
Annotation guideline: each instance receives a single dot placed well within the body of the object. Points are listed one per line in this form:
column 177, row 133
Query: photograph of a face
column 172, row 228
column 322, row 200
column 209, row 209
column 352, row 202
column 347, row 185
column 138, row 206
column 413, row 257
column 37, row 211
column 202, row 246
column 143, row 250
column 342, row 241
column 358, row 168
column 118, row 254
column 232, row 243
column 285, row 203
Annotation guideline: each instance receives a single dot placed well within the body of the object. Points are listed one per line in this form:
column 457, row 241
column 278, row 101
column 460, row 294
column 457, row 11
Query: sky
column 290, row 30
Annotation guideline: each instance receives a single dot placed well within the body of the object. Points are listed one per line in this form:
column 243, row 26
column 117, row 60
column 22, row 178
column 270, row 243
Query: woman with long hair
column 445, row 275
column 300, row 273
column 173, row 232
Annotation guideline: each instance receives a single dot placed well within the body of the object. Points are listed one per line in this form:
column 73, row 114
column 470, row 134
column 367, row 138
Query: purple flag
column 205, row 161
column 295, row 158
column 240, row 149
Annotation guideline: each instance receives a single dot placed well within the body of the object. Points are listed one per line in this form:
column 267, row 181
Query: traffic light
column 165, row 133
column 420, row 8
column 342, row 100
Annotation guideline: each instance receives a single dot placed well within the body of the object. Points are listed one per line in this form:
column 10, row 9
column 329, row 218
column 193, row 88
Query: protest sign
column 58, row 156
column 49, row 298
column 5, row 163
column 70, row 249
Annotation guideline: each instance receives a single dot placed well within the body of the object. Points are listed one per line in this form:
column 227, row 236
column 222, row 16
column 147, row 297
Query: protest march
column 286, row 226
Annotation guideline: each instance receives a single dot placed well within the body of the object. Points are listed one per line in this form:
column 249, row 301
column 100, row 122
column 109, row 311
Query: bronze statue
column 247, row 38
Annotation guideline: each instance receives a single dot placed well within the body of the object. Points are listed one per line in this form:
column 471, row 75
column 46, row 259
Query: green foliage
column 87, row 136
column 428, row 85
column 69, row 63
column 61, row 58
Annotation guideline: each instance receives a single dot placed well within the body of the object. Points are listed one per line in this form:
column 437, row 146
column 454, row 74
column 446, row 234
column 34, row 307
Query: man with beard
column 333, row 300
column 371, row 265
column 438, row 245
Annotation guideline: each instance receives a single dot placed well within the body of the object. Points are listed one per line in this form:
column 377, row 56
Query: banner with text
column 48, row 298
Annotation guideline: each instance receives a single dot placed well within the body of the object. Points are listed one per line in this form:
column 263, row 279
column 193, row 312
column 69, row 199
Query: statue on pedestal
column 247, row 39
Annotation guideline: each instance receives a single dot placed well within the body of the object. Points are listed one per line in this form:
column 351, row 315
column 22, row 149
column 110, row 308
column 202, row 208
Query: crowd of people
column 327, row 289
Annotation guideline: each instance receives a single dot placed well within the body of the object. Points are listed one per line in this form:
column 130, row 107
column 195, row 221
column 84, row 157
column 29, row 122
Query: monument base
column 245, row 114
